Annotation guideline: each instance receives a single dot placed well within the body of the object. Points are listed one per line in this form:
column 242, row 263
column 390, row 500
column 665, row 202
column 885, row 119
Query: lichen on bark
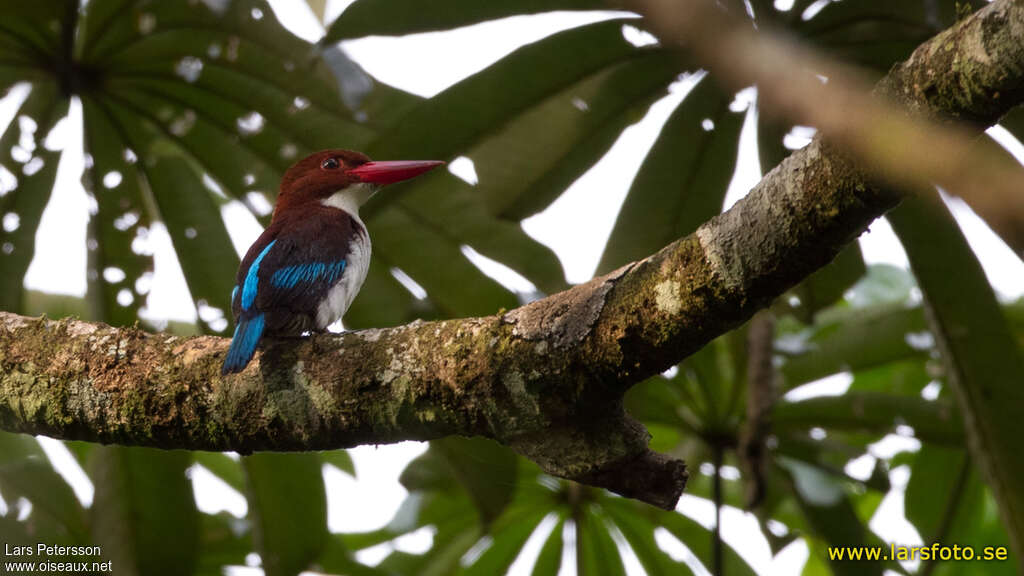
column 546, row 379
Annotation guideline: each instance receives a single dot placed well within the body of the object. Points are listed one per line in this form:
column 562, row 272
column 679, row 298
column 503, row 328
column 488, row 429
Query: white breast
column 357, row 262
column 340, row 296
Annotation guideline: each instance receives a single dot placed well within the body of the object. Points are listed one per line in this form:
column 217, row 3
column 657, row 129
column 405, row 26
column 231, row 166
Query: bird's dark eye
column 330, row 164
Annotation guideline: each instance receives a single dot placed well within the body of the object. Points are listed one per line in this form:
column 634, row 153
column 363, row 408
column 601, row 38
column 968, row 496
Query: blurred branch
column 969, row 72
column 761, row 396
column 546, row 379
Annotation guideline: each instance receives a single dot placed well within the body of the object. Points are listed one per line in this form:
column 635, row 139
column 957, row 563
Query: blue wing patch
column 252, row 279
column 243, row 344
column 289, row 276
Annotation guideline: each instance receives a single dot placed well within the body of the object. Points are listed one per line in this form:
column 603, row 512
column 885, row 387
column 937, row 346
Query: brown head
column 342, row 178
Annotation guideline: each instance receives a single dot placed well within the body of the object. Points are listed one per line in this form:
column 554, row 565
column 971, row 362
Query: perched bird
column 302, row 273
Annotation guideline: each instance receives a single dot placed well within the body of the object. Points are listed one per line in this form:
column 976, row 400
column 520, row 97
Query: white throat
column 351, row 198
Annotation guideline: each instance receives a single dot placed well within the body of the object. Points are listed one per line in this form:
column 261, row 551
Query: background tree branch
column 962, row 74
column 546, row 379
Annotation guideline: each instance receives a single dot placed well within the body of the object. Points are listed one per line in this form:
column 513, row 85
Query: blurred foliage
column 191, row 105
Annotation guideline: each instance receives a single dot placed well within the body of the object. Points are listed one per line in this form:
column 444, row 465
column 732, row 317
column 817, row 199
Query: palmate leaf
column 396, row 17
column 549, row 560
column 696, row 537
column 179, row 83
column 26, row 159
column 596, row 552
column 438, row 499
column 518, row 177
column 121, row 216
column 202, row 115
column 188, row 209
column 510, row 533
column 230, row 99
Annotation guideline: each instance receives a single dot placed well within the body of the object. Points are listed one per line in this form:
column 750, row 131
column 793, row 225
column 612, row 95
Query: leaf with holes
column 27, row 173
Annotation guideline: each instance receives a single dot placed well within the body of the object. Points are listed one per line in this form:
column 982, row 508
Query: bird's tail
column 243, row 344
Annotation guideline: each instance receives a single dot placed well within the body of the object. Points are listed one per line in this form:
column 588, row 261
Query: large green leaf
column 23, row 155
column 486, row 470
column 195, row 91
column 683, row 180
column 530, row 161
column 224, row 541
column 984, row 361
column 289, row 509
column 25, row 472
column 933, row 421
column 397, row 17
column 121, row 216
column 473, row 111
column 144, row 513
column 224, row 467
column 434, row 259
column 864, row 340
column 188, row 209
column 698, row 540
column 943, row 486
column 341, row 460
column 831, row 515
column 35, row 33
column 457, row 118
column 829, row 456
column 596, row 552
column 549, row 561
column 510, row 534
column 445, row 203
column 947, row 502
column 639, row 533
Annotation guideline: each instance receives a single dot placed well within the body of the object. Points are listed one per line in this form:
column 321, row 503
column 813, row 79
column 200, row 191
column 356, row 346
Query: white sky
column 576, row 227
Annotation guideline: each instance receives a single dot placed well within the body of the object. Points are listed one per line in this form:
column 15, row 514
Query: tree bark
column 546, row 379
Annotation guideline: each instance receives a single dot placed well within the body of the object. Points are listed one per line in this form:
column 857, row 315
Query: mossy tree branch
column 546, row 379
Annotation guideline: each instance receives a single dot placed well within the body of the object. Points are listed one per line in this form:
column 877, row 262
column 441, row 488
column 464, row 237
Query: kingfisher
column 302, row 273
